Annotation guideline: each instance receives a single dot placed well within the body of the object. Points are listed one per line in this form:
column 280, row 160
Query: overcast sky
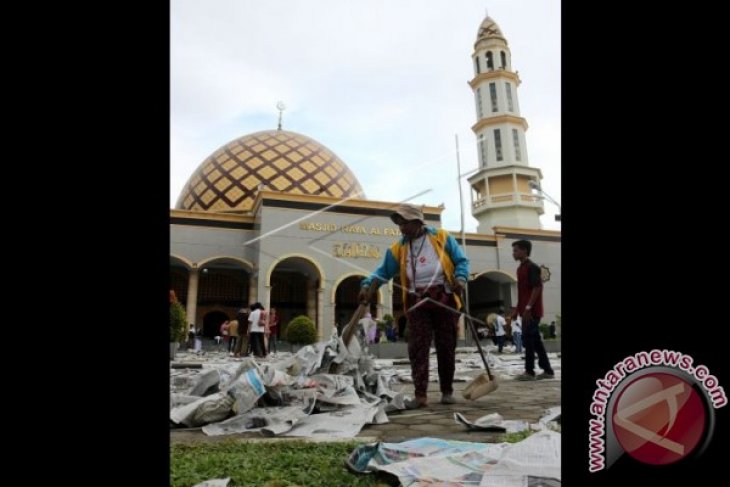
column 381, row 83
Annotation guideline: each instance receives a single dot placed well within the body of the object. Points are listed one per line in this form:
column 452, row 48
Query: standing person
column 223, row 330
column 551, row 328
column 529, row 307
column 233, row 336
column 274, row 330
column 402, row 327
column 433, row 271
column 517, row 334
column 243, row 338
column 191, row 336
column 499, row 324
column 257, row 330
column 264, row 321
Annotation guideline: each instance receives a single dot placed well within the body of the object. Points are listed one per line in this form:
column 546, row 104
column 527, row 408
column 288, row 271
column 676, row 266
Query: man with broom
column 433, row 271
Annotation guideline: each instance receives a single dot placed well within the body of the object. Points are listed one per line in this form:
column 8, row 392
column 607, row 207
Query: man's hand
column 364, row 295
column 526, row 316
column 459, row 285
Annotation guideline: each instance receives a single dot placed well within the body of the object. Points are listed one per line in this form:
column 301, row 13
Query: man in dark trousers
column 529, row 307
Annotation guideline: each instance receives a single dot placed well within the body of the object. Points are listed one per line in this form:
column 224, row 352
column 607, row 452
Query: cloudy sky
column 381, row 83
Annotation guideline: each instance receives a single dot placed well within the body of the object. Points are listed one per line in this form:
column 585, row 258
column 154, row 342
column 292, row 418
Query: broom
column 360, row 312
column 485, row 383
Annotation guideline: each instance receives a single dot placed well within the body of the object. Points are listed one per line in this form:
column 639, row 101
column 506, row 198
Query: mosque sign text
column 360, row 229
column 356, row 250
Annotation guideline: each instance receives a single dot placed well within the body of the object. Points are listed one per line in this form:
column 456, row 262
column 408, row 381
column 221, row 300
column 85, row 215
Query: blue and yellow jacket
column 453, row 261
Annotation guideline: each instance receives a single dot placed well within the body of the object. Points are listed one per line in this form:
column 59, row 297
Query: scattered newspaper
column 214, row 483
column 536, row 456
column 434, row 461
column 342, row 423
column 492, row 422
column 268, row 421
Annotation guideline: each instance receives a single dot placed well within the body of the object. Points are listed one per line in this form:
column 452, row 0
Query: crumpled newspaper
column 214, row 483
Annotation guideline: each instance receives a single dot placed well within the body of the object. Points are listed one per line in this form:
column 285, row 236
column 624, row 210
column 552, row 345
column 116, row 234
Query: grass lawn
column 256, row 464
column 275, row 464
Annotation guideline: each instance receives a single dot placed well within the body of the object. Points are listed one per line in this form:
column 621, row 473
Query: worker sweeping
column 433, row 271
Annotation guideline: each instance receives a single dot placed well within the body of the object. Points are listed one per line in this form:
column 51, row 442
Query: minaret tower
column 501, row 195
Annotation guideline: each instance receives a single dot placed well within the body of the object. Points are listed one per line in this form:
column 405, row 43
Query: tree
column 178, row 327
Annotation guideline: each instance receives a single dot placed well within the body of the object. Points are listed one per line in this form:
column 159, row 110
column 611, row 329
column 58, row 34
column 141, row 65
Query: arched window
column 498, row 144
column 490, row 62
column 503, row 58
column 478, row 70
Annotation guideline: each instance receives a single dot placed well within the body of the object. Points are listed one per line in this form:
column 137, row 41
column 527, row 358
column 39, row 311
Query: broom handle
column 467, row 317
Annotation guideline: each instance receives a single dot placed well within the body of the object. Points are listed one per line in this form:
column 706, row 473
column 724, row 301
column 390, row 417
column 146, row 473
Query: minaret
column 501, row 195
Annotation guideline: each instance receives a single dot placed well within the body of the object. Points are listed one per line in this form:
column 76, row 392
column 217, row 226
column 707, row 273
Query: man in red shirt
column 529, row 307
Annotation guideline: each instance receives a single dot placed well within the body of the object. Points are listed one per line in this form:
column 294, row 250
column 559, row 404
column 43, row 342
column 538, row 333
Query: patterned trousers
column 425, row 322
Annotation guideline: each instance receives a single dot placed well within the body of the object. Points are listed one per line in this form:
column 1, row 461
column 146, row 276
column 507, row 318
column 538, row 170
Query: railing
column 504, row 199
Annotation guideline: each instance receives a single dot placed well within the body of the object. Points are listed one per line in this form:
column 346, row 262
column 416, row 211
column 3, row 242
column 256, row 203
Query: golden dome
column 278, row 160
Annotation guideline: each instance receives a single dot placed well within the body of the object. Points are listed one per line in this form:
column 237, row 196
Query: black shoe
column 545, row 375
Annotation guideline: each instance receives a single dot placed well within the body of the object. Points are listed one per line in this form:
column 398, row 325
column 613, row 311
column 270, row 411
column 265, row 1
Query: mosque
column 276, row 217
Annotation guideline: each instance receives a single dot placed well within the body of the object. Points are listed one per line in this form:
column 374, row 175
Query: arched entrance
column 346, row 302
column 490, row 291
column 295, row 283
column 222, row 287
column 212, row 322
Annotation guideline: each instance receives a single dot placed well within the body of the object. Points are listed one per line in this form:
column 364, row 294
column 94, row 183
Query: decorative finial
column 281, row 107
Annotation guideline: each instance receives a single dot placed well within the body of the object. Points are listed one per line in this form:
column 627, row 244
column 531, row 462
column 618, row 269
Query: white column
column 321, row 332
column 267, row 304
column 513, row 293
column 191, row 307
column 311, row 301
column 252, row 289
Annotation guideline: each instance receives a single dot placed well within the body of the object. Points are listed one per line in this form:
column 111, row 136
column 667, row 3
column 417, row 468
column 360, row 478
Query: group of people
column 372, row 334
column 433, row 272
column 259, row 334
column 500, row 331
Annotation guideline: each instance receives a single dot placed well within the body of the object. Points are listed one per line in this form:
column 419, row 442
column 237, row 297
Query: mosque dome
column 229, row 179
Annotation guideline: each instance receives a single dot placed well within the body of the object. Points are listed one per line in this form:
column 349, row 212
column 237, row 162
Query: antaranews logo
column 655, row 406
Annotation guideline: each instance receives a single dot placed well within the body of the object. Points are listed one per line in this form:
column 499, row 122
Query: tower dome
column 490, row 33
column 229, row 179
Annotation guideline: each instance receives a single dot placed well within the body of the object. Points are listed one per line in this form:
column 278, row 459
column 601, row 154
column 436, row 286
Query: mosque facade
column 276, row 217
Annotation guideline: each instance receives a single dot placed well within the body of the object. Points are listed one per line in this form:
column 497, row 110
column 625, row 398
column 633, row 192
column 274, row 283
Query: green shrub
column 178, row 327
column 301, row 330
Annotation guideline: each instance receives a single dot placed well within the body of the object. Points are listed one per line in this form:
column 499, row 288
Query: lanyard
column 413, row 256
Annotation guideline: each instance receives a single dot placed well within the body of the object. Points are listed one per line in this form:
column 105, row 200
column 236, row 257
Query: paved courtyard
column 513, row 400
